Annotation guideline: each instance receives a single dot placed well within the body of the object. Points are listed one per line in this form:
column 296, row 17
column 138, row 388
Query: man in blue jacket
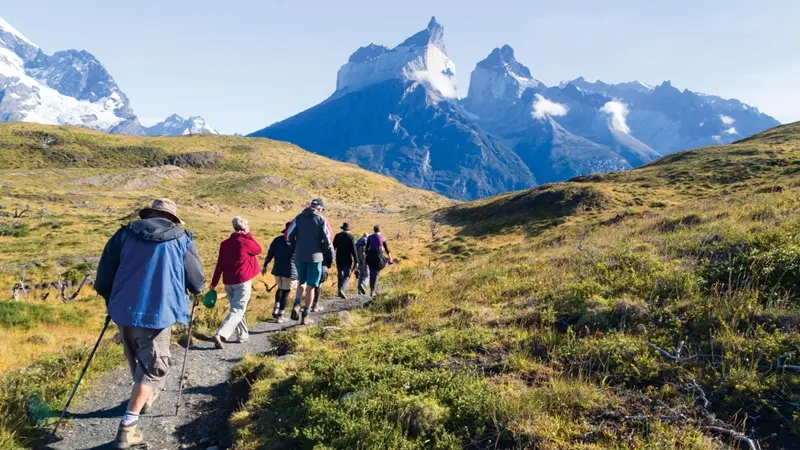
column 143, row 275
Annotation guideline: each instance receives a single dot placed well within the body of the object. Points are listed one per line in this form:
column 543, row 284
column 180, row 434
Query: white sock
column 129, row 418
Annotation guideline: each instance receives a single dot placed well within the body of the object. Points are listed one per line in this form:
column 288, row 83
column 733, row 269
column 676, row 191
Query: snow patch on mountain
column 543, row 108
column 618, row 113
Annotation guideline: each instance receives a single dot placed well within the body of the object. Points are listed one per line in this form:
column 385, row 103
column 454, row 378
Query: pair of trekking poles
column 94, row 350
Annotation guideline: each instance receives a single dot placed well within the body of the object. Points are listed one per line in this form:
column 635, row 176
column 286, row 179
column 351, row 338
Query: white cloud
column 731, row 130
column 543, row 107
column 727, row 120
column 717, row 138
column 436, row 80
column 618, row 111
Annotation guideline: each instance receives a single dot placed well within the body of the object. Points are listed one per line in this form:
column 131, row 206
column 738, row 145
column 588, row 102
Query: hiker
column 310, row 236
column 346, row 260
column 284, row 271
column 238, row 265
column 143, row 275
column 362, row 272
column 327, row 262
column 376, row 260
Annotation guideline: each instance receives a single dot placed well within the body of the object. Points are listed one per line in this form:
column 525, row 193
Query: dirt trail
column 203, row 418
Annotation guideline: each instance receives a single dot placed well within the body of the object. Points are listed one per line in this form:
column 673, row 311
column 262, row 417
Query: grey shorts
column 148, row 354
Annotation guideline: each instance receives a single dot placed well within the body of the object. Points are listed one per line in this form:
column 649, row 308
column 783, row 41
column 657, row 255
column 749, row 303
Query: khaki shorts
column 285, row 284
column 148, row 354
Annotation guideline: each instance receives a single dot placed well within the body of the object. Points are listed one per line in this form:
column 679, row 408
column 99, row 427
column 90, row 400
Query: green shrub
column 27, row 315
column 284, row 342
column 14, row 229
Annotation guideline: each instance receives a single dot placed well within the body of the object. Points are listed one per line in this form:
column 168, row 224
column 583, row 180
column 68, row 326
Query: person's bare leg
column 310, row 297
column 139, row 395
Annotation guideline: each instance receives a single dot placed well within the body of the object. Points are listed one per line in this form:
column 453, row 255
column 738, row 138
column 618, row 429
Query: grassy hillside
column 656, row 308
column 73, row 188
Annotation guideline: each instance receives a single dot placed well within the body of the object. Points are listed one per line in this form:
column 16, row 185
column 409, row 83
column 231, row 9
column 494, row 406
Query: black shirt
column 345, row 245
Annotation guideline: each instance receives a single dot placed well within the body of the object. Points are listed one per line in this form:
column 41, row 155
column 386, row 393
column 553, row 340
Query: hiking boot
column 128, row 437
column 218, row 342
column 281, row 319
column 275, row 313
column 342, row 295
column 150, row 400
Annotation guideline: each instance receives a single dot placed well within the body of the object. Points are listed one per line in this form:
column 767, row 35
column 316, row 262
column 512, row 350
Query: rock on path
column 206, row 407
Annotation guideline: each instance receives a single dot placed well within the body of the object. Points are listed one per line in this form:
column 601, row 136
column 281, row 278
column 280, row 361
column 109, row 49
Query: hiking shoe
column 275, row 313
column 281, row 319
column 296, row 312
column 317, row 308
column 150, row 400
column 218, row 342
column 128, row 437
column 342, row 295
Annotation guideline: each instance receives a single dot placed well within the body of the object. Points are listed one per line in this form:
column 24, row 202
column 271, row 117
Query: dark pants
column 363, row 275
column 344, row 276
column 374, row 277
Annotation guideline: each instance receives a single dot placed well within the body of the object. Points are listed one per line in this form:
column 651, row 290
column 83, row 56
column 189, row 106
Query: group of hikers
column 148, row 265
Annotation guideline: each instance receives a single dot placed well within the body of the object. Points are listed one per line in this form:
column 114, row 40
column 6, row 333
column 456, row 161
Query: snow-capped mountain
column 580, row 127
column 69, row 87
column 670, row 120
column 396, row 112
column 176, row 125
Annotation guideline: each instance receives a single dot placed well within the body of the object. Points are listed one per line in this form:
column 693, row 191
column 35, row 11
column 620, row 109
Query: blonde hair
column 239, row 223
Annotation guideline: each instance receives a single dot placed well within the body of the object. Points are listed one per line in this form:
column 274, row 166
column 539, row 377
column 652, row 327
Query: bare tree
column 434, row 228
column 62, row 288
column 20, row 213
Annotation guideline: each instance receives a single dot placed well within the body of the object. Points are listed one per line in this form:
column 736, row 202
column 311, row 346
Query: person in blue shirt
column 143, row 275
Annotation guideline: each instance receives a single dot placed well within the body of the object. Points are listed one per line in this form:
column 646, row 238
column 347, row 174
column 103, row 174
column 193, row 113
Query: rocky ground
column 208, row 398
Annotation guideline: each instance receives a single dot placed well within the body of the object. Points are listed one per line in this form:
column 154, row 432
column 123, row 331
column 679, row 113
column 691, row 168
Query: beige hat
column 163, row 205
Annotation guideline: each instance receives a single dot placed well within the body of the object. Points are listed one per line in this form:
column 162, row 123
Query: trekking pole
column 85, row 368
column 185, row 354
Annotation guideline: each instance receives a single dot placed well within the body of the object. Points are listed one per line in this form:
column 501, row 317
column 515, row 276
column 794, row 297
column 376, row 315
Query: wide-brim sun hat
column 163, row 205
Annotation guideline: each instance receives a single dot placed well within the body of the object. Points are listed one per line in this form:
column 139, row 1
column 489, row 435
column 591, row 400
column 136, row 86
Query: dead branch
column 20, row 213
column 752, row 444
column 62, row 288
column 676, row 356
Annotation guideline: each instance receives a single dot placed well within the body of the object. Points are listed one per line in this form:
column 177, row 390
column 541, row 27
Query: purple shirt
column 375, row 242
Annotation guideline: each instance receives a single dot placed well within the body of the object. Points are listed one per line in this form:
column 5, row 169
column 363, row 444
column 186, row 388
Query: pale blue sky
column 245, row 64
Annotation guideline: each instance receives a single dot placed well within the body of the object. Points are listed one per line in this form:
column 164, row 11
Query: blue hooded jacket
column 145, row 271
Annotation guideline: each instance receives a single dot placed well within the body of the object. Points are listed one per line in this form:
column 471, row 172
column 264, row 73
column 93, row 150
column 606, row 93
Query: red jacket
column 237, row 260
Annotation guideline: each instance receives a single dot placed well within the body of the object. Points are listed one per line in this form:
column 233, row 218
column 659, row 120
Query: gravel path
column 207, row 400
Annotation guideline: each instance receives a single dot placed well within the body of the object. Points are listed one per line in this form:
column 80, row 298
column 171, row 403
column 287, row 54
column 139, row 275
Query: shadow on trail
column 107, row 413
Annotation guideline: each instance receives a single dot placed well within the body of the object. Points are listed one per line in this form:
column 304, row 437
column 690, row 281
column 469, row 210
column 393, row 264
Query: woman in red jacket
column 238, row 265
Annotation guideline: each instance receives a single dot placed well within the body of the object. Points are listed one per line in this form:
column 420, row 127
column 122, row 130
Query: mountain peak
column 502, row 60
column 422, row 58
column 177, row 125
column 432, row 35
